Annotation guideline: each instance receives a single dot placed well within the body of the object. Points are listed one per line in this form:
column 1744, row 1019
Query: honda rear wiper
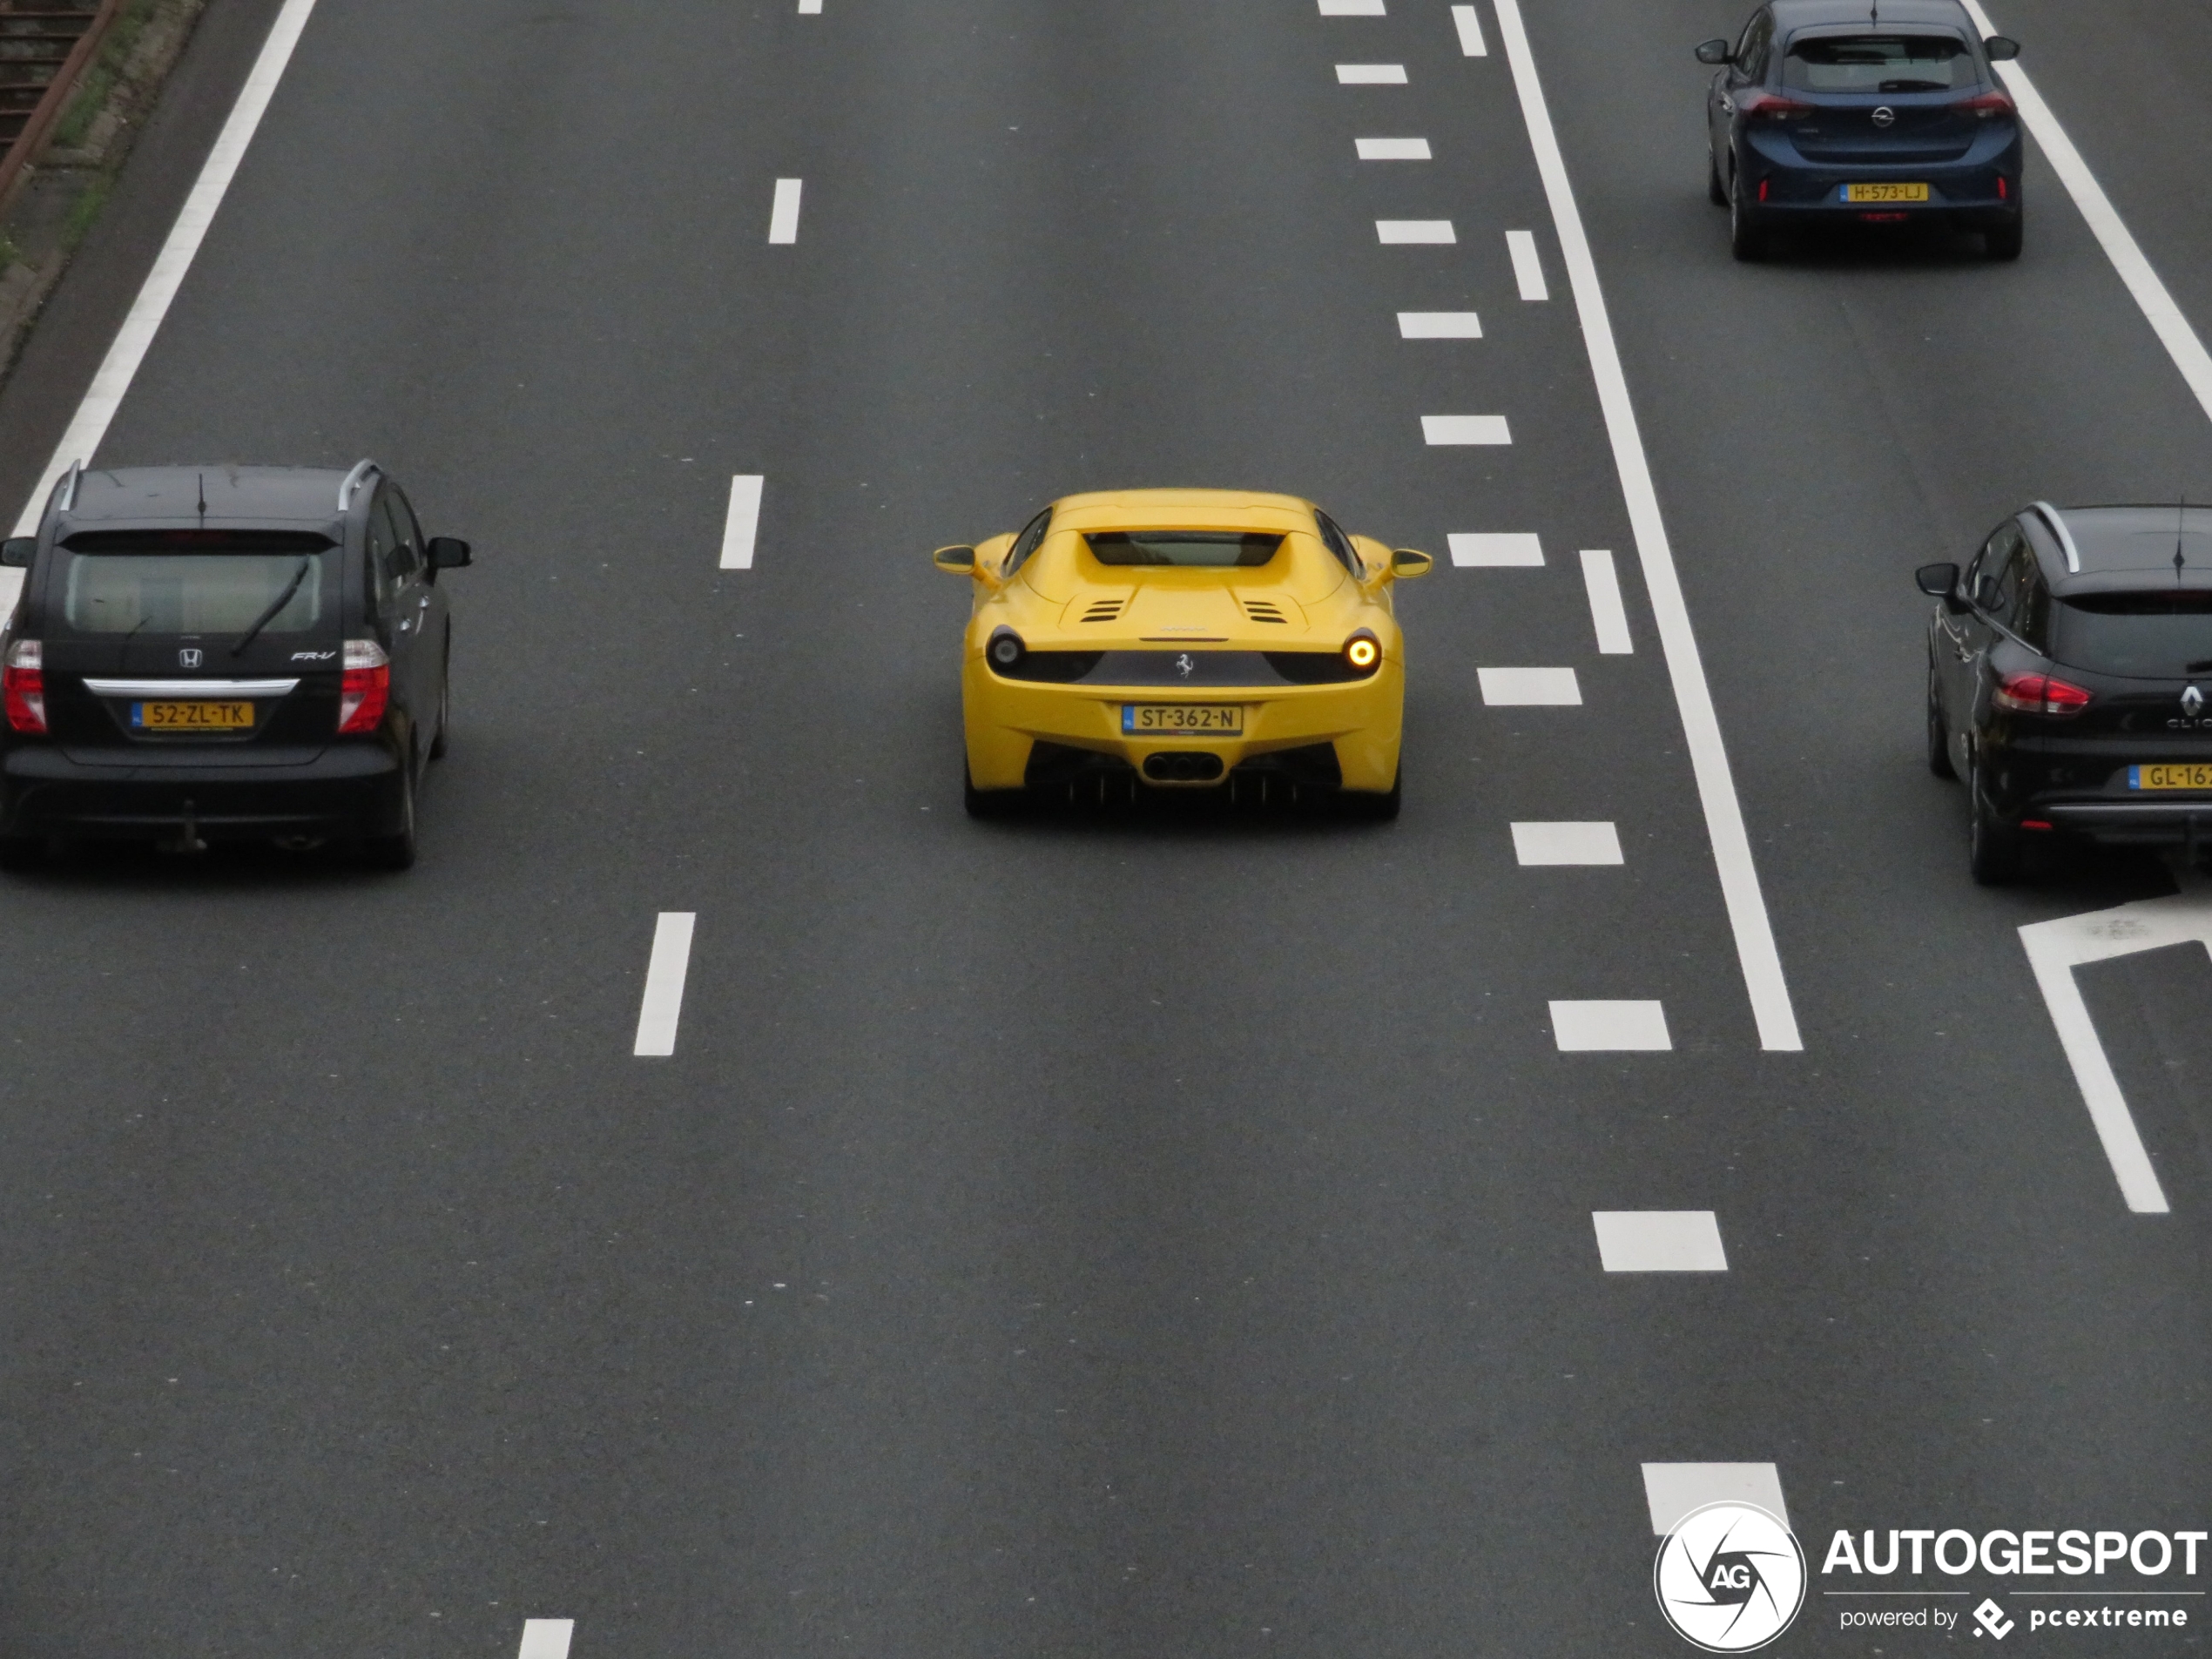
column 282, row 600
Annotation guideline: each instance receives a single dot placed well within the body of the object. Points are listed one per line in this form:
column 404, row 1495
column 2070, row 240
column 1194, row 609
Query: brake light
column 22, row 685
column 2003, row 194
column 1763, row 185
column 2039, row 694
column 1767, row 106
column 1988, row 105
column 367, row 687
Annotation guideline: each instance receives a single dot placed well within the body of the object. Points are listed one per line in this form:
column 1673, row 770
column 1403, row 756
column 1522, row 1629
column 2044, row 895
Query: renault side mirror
column 18, row 551
column 2002, row 48
column 1937, row 581
column 447, row 553
column 1716, row 52
column 960, row 561
column 1406, row 563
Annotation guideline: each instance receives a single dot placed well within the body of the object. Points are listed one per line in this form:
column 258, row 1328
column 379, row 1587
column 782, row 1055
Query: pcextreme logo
column 1729, row 1578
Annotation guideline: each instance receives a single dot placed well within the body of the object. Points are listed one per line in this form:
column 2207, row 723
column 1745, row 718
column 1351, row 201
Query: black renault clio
column 224, row 653
column 2070, row 679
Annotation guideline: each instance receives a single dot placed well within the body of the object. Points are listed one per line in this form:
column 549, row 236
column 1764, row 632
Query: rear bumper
column 350, row 789
column 2137, row 823
column 1979, row 190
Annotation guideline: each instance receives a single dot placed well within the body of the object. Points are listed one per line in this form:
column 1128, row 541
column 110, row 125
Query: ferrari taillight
column 22, row 685
column 367, row 688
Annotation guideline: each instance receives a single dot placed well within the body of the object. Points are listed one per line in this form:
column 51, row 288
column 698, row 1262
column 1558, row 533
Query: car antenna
column 203, row 500
column 2181, row 525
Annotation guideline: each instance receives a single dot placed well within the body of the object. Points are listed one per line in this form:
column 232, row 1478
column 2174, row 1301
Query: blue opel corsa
column 1863, row 112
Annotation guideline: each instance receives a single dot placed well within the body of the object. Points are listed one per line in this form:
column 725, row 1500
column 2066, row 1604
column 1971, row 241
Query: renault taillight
column 367, row 689
column 2039, row 694
column 22, row 685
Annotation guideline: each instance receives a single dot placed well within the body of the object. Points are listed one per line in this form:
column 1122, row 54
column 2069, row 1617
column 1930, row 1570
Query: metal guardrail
column 46, row 47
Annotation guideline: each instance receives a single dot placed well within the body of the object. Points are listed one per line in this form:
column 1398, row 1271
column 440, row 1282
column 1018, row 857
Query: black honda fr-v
column 2070, row 679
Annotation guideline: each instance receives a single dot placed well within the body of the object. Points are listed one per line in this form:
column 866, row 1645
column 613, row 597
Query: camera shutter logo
column 1729, row 1578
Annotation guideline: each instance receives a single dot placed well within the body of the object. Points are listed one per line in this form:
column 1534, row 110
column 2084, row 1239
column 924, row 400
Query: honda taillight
column 1767, row 107
column 367, row 687
column 1986, row 105
column 2039, row 694
column 22, row 685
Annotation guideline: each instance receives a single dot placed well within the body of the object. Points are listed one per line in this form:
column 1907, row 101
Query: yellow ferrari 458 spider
column 1183, row 639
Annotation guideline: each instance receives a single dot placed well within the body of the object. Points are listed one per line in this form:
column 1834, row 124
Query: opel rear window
column 1880, row 64
column 198, row 582
column 1190, row 549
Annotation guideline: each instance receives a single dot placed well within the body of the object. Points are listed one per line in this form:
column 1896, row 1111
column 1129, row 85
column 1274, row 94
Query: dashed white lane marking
column 1764, row 981
column 783, row 218
column 664, row 974
column 1609, row 616
column 809, row 8
column 1470, row 28
column 1566, row 843
column 1430, row 232
column 1392, row 149
column 1495, row 548
column 1438, row 324
column 128, row 350
column 1672, row 1490
column 1508, row 688
column 1527, row 269
column 1371, row 74
column 2055, row 949
column 1351, row 8
column 742, row 528
column 2119, row 243
column 1610, row 1028
column 1659, row 1241
column 550, row 1638
column 1465, row 428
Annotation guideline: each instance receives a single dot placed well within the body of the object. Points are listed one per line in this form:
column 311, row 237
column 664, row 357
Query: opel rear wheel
column 1715, row 191
column 1746, row 240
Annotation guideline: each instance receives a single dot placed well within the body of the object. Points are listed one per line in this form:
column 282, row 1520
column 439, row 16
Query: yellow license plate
column 1885, row 193
column 192, row 717
column 2189, row 775
column 1182, row 719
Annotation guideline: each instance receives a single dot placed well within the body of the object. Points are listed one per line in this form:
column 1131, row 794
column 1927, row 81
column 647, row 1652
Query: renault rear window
column 1879, row 63
column 1190, row 550
column 2155, row 634
column 198, row 582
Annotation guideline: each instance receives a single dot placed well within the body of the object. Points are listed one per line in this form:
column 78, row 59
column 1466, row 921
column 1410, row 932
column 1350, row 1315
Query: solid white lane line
column 664, row 974
column 1351, row 8
column 1470, row 28
column 1466, row 429
column 783, row 218
column 1672, row 1490
column 1755, row 948
column 129, row 348
column 2119, row 243
column 1610, row 1028
column 550, row 1638
column 742, row 528
column 1392, row 149
column 1607, row 612
column 1438, row 324
column 1395, row 231
column 1659, row 1241
column 1371, row 74
column 1527, row 269
column 1565, row 843
column 1495, row 548
column 1508, row 688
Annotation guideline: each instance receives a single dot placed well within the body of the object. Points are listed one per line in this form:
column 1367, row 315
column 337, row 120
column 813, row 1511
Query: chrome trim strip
column 189, row 688
column 2049, row 514
column 353, row 480
column 68, row 501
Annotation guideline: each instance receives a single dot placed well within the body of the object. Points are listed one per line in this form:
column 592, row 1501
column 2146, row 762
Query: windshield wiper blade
column 281, row 600
column 2204, row 667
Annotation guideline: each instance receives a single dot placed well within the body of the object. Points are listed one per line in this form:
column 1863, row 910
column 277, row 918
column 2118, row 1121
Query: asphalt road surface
column 1113, row 1234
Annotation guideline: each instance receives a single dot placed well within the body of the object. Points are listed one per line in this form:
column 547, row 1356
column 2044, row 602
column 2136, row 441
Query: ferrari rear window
column 1879, row 63
column 1190, row 550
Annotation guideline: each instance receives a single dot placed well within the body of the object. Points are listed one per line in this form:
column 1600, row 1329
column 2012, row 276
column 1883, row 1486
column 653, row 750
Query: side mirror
column 18, row 551
column 447, row 553
column 1713, row 51
column 1406, row 563
column 960, row 561
column 2002, row 48
column 1937, row 581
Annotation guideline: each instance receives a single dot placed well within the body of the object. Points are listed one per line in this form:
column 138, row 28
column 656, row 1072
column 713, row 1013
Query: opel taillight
column 1767, row 107
column 367, row 687
column 2039, row 694
column 22, row 685
column 1985, row 106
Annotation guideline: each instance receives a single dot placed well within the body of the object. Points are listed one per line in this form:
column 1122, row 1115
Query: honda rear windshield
column 1880, row 64
column 198, row 582
column 2138, row 635
column 1191, row 549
